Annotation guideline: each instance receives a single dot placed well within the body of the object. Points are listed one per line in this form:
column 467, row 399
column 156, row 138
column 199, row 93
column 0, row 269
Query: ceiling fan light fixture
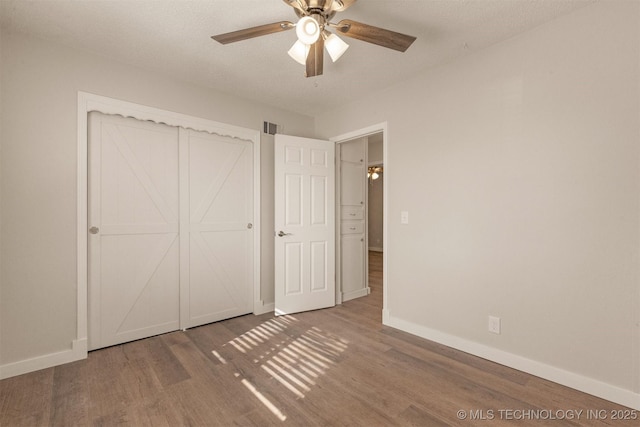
column 373, row 173
column 335, row 45
column 314, row 20
column 299, row 52
column 308, row 30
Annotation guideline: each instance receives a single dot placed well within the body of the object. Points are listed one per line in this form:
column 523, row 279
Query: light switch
column 404, row 217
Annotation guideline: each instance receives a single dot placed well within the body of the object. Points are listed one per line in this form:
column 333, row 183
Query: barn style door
column 216, row 227
column 170, row 246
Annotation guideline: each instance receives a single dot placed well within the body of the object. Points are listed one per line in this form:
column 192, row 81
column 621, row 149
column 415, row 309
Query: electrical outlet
column 494, row 324
column 404, row 217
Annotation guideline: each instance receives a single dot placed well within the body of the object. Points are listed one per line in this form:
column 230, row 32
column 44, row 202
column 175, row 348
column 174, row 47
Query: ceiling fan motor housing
column 320, row 8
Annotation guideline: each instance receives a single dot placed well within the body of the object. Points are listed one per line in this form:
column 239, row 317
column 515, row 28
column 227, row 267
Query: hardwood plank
column 121, row 376
column 69, row 406
column 199, row 402
column 157, row 410
column 25, row 400
column 165, row 365
column 177, row 337
column 414, row 416
column 464, row 358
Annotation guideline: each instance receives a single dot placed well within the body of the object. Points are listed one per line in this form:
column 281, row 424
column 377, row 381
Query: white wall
column 519, row 168
column 375, row 154
column 39, row 83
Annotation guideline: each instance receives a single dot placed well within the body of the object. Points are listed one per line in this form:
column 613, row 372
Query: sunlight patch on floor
column 220, row 358
column 296, row 360
column 266, row 402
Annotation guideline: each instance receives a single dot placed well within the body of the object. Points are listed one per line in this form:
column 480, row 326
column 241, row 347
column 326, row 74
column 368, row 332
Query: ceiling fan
column 313, row 35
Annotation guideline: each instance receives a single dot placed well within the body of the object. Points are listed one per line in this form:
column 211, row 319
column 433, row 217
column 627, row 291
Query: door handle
column 282, row 234
column 94, row 230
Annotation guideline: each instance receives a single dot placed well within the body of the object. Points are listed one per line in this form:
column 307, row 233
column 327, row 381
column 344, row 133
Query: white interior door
column 133, row 240
column 216, row 227
column 304, row 224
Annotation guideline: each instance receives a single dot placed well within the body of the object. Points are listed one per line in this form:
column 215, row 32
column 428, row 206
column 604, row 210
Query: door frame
column 359, row 133
column 88, row 102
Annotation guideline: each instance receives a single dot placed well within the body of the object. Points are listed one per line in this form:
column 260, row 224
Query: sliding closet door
column 133, row 235
column 216, row 227
column 171, row 229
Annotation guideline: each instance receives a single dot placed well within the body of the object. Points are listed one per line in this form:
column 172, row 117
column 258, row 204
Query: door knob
column 94, row 230
column 282, row 234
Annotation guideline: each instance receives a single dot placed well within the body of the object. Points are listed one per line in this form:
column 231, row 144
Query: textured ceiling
column 173, row 37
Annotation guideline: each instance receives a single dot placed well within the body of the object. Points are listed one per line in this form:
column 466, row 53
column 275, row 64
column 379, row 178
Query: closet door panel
column 220, row 230
column 133, row 244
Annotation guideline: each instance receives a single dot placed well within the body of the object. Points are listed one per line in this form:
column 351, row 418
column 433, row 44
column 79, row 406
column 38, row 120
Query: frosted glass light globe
column 335, row 46
column 299, row 52
column 308, row 30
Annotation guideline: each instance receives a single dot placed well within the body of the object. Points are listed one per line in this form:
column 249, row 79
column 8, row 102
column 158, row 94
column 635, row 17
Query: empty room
column 319, row 212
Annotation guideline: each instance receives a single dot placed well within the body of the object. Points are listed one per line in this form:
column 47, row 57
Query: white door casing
column 134, row 251
column 305, row 224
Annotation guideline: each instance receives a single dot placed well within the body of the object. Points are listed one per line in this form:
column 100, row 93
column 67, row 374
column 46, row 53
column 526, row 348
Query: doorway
column 294, row 278
column 377, row 259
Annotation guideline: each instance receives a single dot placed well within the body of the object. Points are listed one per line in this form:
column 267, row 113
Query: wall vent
column 270, row 128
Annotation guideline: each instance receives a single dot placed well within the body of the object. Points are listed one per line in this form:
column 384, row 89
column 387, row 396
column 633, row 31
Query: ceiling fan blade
column 375, row 35
column 341, row 5
column 315, row 59
column 249, row 33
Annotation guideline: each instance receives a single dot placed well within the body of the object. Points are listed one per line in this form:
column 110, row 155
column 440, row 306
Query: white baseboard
column 78, row 351
column 346, row 296
column 375, row 249
column 260, row 307
column 548, row 372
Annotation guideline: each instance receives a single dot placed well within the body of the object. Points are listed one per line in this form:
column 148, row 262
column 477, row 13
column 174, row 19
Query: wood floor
column 330, row 367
